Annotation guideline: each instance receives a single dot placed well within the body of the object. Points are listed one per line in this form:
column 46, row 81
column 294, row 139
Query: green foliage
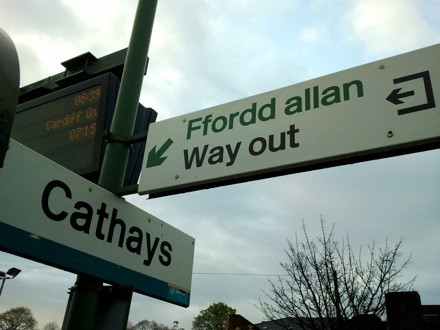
column 213, row 318
column 148, row 325
column 18, row 318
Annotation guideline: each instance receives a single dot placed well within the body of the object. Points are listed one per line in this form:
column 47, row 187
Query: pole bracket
column 126, row 190
column 127, row 140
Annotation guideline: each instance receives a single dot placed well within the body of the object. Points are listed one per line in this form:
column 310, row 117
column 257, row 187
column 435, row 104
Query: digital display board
column 68, row 125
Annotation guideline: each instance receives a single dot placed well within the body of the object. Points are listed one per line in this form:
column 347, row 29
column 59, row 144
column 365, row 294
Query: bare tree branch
column 328, row 282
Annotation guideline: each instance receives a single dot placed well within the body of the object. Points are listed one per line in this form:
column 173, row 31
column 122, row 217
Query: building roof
column 284, row 323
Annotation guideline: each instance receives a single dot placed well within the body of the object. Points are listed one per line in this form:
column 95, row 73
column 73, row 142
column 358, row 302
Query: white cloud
column 311, row 35
column 385, row 27
column 96, row 14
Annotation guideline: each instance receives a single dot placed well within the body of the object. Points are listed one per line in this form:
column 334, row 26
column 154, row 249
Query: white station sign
column 54, row 216
column 383, row 106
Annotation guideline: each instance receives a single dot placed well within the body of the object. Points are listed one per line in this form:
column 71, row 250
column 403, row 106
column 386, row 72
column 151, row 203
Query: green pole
column 84, row 302
column 116, row 154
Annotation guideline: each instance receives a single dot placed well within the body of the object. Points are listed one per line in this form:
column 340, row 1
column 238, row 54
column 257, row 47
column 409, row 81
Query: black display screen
column 68, row 125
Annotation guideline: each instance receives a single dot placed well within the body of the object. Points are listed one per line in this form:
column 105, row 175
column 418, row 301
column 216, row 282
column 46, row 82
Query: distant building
column 431, row 317
column 404, row 312
column 283, row 324
column 238, row 322
column 360, row 322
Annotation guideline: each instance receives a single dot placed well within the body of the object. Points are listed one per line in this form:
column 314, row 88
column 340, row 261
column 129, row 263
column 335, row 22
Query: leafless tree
column 18, row 318
column 327, row 283
column 52, row 326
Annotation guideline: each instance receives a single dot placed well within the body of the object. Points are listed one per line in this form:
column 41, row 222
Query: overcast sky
column 208, row 52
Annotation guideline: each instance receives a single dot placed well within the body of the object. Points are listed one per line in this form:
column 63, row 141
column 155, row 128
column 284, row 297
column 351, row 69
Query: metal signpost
column 375, row 110
column 85, row 300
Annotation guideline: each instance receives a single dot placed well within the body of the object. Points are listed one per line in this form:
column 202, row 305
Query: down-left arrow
column 155, row 158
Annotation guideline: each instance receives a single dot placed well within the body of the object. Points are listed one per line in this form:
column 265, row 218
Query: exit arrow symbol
column 395, row 96
column 155, row 158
